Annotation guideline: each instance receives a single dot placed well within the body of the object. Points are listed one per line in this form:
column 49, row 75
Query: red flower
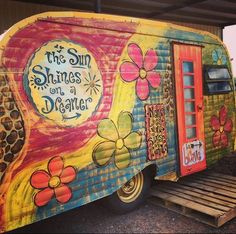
column 221, row 126
column 53, row 182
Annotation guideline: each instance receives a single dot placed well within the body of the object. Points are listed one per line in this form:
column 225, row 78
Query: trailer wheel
column 131, row 195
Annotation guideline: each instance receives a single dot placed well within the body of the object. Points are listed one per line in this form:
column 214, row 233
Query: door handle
column 200, row 107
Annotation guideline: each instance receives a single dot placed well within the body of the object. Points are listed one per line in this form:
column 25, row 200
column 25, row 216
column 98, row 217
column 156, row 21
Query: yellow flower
column 120, row 140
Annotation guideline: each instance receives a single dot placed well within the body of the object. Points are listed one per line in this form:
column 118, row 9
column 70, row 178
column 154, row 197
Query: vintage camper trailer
column 95, row 106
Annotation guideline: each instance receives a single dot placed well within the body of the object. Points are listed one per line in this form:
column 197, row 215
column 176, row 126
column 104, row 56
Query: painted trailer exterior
column 89, row 100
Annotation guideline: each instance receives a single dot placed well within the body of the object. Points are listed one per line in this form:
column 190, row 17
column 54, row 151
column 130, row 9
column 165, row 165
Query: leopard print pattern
column 12, row 132
column 169, row 93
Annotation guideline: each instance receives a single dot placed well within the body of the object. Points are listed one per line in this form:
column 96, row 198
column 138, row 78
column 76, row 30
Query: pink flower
column 53, row 182
column 141, row 69
column 221, row 126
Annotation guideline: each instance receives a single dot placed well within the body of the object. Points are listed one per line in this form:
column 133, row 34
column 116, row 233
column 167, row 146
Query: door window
column 189, row 100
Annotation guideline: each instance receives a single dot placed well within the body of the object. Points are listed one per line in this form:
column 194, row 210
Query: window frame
column 208, row 80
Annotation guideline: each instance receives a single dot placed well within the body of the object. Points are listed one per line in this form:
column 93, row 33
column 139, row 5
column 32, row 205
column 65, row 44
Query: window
column 189, row 72
column 217, row 80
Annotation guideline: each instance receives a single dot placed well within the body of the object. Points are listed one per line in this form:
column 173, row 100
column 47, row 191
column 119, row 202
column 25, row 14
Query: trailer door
column 189, row 103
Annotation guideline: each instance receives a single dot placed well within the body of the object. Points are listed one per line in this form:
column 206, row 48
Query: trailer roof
column 149, row 27
column 208, row 12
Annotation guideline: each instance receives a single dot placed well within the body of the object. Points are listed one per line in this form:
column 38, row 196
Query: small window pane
column 188, row 67
column 191, row 133
column 219, row 87
column 189, row 106
column 190, row 120
column 189, row 93
column 218, row 73
column 188, row 80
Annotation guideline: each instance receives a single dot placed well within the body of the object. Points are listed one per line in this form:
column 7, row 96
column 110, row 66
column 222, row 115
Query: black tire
column 118, row 203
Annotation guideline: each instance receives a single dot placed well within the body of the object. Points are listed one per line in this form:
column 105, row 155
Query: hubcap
column 130, row 191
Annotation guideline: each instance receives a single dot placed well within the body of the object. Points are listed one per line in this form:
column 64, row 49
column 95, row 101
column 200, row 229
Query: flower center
column 142, row 73
column 119, row 143
column 221, row 129
column 54, row 181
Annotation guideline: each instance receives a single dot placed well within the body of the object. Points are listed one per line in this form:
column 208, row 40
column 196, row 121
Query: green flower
column 218, row 57
column 119, row 140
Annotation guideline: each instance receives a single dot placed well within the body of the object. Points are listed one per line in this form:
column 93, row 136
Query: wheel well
column 151, row 170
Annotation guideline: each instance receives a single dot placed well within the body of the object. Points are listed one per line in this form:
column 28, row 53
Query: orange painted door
column 189, row 103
